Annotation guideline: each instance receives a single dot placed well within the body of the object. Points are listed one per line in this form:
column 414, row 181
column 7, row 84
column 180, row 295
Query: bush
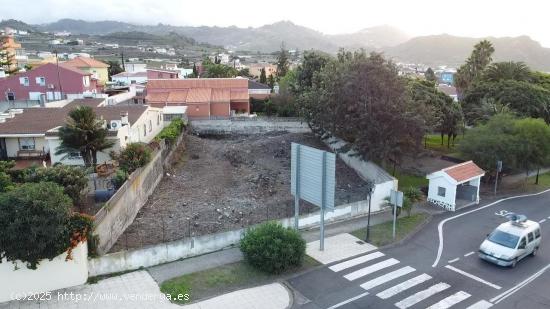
column 134, row 156
column 35, row 222
column 272, row 248
column 6, row 183
column 172, row 131
column 72, row 178
column 119, row 178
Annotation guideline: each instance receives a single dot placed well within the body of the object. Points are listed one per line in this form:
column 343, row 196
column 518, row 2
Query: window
column 441, row 191
column 11, row 96
column 86, row 81
column 135, row 101
column 41, row 81
column 522, row 243
column 503, row 239
column 537, row 233
column 158, row 119
column 24, row 81
column 26, row 143
column 144, row 130
column 531, row 237
column 150, row 125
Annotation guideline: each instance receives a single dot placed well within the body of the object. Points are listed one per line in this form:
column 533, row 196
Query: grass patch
column 433, row 142
column 222, row 279
column 544, row 181
column 408, row 180
column 381, row 234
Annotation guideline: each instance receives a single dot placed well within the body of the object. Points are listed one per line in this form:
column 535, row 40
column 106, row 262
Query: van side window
column 537, row 233
column 531, row 237
column 522, row 243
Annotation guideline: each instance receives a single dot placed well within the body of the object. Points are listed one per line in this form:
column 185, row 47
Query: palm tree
column 83, row 133
column 508, row 70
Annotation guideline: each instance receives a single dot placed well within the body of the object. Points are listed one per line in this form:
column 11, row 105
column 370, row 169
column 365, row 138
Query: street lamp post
column 370, row 189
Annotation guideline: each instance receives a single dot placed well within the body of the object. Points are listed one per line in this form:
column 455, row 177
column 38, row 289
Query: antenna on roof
column 516, row 219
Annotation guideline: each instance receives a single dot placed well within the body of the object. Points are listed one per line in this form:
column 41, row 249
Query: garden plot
column 229, row 182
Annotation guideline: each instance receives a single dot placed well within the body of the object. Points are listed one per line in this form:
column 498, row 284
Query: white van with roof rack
column 511, row 241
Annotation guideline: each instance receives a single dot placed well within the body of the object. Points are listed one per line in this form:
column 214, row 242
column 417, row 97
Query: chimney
column 124, row 118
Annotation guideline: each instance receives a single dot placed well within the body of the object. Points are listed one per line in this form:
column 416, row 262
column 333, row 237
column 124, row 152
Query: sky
column 475, row 18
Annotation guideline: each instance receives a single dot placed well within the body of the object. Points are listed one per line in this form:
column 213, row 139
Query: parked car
column 511, row 241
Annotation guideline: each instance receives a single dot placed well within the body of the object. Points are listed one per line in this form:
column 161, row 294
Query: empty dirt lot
column 228, row 182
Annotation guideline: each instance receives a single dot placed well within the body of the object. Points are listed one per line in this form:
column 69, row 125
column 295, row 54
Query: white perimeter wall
column 50, row 275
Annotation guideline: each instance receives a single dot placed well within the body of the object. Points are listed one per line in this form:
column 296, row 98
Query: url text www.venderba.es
column 98, row 297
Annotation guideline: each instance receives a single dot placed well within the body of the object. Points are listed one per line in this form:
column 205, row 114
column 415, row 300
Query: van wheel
column 534, row 253
column 514, row 263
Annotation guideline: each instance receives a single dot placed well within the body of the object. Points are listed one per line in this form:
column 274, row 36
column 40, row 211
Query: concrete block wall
column 250, row 126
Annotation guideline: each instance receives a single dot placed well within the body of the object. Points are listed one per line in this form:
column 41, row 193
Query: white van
column 511, row 241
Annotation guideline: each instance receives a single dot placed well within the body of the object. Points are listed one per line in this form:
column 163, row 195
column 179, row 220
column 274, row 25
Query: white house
column 457, row 185
column 128, row 78
column 135, row 67
column 33, row 133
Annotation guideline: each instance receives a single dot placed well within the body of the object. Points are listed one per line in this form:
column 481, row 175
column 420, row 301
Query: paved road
column 414, row 275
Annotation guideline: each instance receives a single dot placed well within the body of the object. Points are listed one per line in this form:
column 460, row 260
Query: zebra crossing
column 377, row 271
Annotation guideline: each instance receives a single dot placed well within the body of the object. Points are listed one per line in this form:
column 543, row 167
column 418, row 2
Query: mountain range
column 430, row 50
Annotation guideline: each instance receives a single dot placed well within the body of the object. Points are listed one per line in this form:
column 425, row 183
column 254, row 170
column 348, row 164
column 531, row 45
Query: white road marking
column 440, row 225
column 387, row 277
column 420, row 296
column 469, row 253
column 394, row 290
column 518, row 286
column 454, row 260
column 542, row 221
column 353, row 262
column 370, row 269
column 548, row 218
column 347, row 301
column 476, row 278
column 482, row 304
column 450, row 301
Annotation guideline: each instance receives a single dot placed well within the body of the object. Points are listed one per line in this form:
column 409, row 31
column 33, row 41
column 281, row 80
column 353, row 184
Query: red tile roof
column 198, row 83
column 464, row 171
column 84, row 62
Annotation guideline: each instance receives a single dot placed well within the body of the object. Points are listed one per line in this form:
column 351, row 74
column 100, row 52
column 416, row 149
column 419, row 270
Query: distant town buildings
column 97, row 68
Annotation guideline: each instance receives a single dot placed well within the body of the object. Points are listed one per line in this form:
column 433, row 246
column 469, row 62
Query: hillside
column 16, row 24
column 453, row 50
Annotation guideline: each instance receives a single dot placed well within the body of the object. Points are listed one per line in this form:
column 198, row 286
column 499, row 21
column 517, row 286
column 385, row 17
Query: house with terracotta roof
column 32, row 133
column 98, row 69
column 49, row 81
column 204, row 97
column 455, row 186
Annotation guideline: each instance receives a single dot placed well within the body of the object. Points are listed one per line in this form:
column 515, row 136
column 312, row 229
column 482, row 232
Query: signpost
column 396, row 199
column 313, row 179
column 499, row 169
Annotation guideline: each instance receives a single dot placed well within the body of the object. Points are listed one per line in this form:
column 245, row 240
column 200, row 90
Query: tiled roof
column 239, row 94
column 221, row 95
column 131, row 74
column 157, row 96
column 198, row 83
column 38, row 120
column 85, row 62
column 199, row 95
column 85, row 102
column 464, row 171
column 256, row 85
column 176, row 96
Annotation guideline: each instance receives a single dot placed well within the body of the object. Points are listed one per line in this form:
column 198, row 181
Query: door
column 522, row 248
column 3, row 149
column 531, row 243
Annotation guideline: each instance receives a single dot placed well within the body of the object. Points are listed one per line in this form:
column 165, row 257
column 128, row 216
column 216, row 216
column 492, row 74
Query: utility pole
column 122, row 59
column 58, row 77
column 370, row 189
column 499, row 169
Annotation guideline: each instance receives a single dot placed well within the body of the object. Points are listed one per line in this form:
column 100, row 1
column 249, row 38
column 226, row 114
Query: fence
column 196, row 245
column 121, row 209
column 249, row 125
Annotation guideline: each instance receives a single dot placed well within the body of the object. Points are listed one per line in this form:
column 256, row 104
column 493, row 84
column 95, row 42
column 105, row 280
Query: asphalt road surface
column 439, row 267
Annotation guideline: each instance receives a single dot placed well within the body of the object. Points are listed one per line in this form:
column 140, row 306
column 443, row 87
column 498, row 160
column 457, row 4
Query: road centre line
column 476, row 278
column 469, row 253
column 347, row 301
column 518, row 286
column 454, row 260
column 440, row 225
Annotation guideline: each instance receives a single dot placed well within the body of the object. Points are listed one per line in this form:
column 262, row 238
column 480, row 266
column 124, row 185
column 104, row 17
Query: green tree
column 271, row 81
column 430, row 75
column 83, row 133
column 312, row 63
column 7, row 59
column 34, row 219
column 532, row 144
column 473, row 68
column 509, row 70
column 72, row 178
column 263, row 78
column 195, row 71
column 114, row 68
column 283, row 62
column 219, row 71
column 134, row 156
column 6, row 182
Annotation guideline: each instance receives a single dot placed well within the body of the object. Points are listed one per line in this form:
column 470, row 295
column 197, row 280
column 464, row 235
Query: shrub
column 119, row 178
column 172, row 131
column 34, row 218
column 6, row 183
column 72, row 178
column 272, row 248
column 134, row 156
column 411, row 195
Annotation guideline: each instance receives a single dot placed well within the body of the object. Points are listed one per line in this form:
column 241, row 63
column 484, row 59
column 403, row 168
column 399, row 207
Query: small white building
column 455, row 186
column 129, row 78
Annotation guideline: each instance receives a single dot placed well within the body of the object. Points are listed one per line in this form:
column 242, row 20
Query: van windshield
column 503, row 239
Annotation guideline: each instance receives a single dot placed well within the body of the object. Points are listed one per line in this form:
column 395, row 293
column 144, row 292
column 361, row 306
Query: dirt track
column 223, row 183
